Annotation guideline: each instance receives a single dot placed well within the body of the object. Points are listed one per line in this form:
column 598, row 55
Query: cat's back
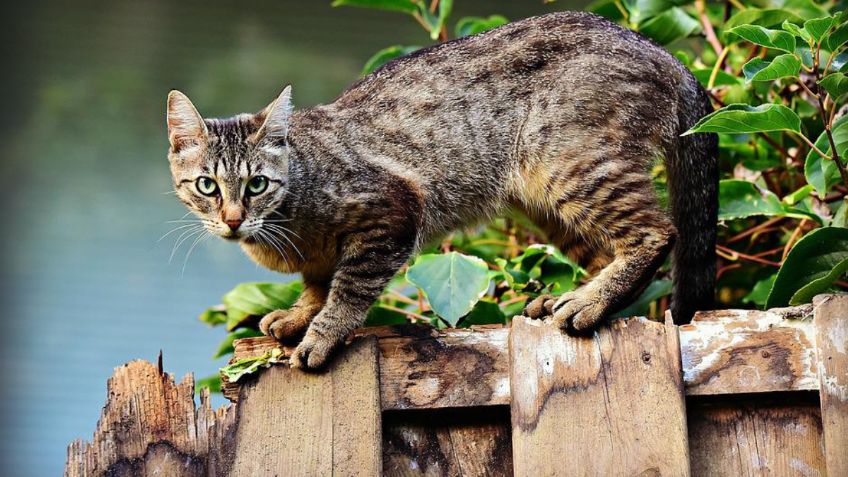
column 526, row 54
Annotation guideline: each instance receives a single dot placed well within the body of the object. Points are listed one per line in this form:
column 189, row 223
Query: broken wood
column 832, row 342
column 611, row 404
column 149, row 426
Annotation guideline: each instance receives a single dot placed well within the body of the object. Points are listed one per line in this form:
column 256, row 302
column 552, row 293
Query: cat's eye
column 257, row 185
column 207, row 186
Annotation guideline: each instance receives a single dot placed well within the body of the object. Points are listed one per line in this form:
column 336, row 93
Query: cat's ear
column 276, row 116
column 185, row 126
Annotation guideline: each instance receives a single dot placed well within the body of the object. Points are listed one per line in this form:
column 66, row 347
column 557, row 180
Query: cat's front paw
column 283, row 324
column 313, row 351
column 579, row 312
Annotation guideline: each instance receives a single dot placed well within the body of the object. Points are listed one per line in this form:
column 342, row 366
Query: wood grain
column 832, row 342
column 149, row 426
column 611, row 404
column 756, row 436
column 448, row 442
column 723, row 352
column 749, row 351
column 296, row 424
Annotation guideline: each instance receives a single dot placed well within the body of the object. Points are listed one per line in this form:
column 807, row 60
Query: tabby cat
column 561, row 116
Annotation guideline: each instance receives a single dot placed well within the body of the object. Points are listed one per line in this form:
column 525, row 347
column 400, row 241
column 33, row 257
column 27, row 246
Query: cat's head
column 232, row 173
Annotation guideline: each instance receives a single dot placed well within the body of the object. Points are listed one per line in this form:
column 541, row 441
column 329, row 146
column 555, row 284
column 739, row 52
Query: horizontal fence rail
column 736, row 392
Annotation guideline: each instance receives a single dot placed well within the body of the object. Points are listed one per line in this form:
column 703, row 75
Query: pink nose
column 233, row 224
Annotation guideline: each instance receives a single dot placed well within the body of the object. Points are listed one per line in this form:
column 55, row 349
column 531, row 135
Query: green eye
column 207, row 186
column 257, row 185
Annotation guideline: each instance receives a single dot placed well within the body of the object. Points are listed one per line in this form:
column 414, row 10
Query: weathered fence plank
column 149, row 426
column 611, row 404
column 723, row 352
column 733, row 351
column 453, row 442
column 832, row 344
column 749, row 437
column 293, row 423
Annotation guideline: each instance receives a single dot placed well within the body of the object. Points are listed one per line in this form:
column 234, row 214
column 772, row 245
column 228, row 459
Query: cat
column 561, row 116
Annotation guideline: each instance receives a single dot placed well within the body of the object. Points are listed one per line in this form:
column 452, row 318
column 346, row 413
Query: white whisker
column 199, row 239
column 176, row 229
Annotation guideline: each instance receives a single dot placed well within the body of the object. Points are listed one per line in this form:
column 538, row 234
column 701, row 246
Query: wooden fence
column 735, row 393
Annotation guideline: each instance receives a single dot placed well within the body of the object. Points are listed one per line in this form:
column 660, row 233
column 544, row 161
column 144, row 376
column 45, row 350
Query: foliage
column 776, row 73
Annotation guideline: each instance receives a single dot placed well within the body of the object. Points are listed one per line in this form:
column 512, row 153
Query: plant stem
column 409, row 314
column 753, row 230
column 733, row 255
column 709, row 32
column 717, row 66
column 792, row 238
column 813, row 147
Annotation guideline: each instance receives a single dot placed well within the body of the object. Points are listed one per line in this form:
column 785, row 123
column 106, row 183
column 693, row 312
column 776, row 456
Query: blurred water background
column 86, row 287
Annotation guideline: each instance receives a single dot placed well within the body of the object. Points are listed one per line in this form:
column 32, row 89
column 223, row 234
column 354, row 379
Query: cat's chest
column 270, row 258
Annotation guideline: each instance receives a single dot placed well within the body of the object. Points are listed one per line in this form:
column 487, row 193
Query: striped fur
column 561, row 116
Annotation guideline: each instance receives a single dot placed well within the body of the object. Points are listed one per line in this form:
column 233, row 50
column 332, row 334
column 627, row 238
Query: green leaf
column 837, row 38
column 472, row 25
column 405, row 6
column 722, row 78
column 256, row 299
column 836, row 85
column 445, row 9
column 213, row 383
column 776, row 39
column 741, row 118
column 768, row 17
column 654, row 291
column 819, row 285
column 818, row 27
column 379, row 315
column 226, row 346
column 641, row 10
column 452, row 282
column 759, row 293
column 798, row 31
column 740, row 199
column 813, row 264
column 384, row 56
column 214, row 316
column 673, row 24
column 798, row 195
column 484, row 312
column 606, row 8
column 245, row 366
column 783, row 66
column 840, row 218
column 822, row 173
column 806, row 9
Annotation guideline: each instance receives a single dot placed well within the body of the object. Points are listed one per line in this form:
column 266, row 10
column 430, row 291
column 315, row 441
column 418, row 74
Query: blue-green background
column 85, row 286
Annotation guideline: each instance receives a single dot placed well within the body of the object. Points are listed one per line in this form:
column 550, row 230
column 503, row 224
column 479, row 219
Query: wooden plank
column 294, row 423
column 456, row 442
column 723, row 352
column 756, row 436
column 735, row 351
column 425, row 368
column 611, row 404
column 832, row 342
column 434, row 369
column 149, row 426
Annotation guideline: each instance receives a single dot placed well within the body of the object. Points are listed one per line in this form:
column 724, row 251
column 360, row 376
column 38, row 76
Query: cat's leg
column 640, row 236
column 370, row 259
column 291, row 323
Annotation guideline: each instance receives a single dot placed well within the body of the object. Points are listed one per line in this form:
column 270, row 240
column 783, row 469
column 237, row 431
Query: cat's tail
column 693, row 190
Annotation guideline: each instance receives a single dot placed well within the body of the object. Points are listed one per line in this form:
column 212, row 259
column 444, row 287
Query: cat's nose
column 233, row 224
